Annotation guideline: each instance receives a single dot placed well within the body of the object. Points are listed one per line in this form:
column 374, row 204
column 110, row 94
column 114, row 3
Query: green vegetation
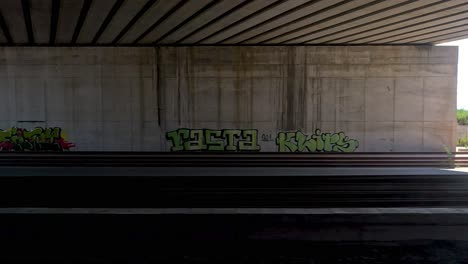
column 463, row 142
column 462, row 117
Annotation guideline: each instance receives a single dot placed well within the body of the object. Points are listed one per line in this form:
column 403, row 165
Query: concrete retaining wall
column 245, row 98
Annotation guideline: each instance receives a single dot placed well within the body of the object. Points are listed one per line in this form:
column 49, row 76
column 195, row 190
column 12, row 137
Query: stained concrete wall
column 398, row 98
column 103, row 99
column 388, row 98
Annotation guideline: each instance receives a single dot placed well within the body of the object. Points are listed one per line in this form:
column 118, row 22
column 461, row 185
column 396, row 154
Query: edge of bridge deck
column 231, row 164
column 229, row 171
column 202, row 159
column 242, row 211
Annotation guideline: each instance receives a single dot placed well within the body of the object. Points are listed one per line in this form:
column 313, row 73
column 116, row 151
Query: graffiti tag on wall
column 213, row 140
column 317, row 142
column 247, row 140
column 37, row 139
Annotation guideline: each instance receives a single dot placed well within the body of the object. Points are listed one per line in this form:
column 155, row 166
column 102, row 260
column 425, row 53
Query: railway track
column 158, row 159
column 259, row 189
column 196, row 206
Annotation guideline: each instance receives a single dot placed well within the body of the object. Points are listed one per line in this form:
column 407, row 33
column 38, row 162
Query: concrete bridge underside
column 57, row 214
column 231, row 22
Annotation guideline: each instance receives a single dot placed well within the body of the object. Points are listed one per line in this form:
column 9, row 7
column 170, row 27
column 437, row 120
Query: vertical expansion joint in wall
column 238, row 84
column 156, row 83
column 12, row 104
column 300, row 88
column 291, row 85
column 318, row 97
column 393, row 118
column 179, row 77
column 454, row 134
column 365, row 114
column 16, row 101
column 219, row 89
column 249, row 101
column 305, row 89
column 158, row 92
column 44, row 83
column 336, row 101
column 100, row 105
column 423, row 111
column 191, row 83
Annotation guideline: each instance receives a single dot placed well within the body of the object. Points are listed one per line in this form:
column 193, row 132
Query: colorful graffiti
column 247, row 140
column 318, row 142
column 37, row 139
column 213, row 140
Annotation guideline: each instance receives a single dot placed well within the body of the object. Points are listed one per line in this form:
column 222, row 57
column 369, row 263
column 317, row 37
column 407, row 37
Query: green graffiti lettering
column 37, row 139
column 250, row 142
column 318, row 138
column 304, row 144
column 231, row 140
column 196, row 141
column 4, row 135
column 33, row 135
column 329, row 140
column 174, row 137
column 231, row 135
column 344, row 144
column 52, row 133
column 214, row 140
column 177, row 138
column 318, row 142
column 283, row 141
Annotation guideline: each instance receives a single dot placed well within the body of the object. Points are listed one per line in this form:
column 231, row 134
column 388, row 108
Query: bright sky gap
column 462, row 85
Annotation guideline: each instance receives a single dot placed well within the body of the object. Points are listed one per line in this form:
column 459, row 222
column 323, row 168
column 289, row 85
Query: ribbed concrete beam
column 416, row 34
column 425, row 37
column 360, row 13
column 186, row 11
column 260, row 17
column 212, row 14
column 450, row 37
column 319, row 17
column 227, row 22
column 13, row 14
column 289, row 17
column 153, row 16
column 68, row 19
column 444, row 37
column 94, row 19
column 423, row 28
column 41, row 12
column 425, row 16
column 387, row 15
column 123, row 16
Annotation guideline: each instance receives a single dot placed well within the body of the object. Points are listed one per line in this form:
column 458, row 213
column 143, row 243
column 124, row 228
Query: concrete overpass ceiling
column 231, row 22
